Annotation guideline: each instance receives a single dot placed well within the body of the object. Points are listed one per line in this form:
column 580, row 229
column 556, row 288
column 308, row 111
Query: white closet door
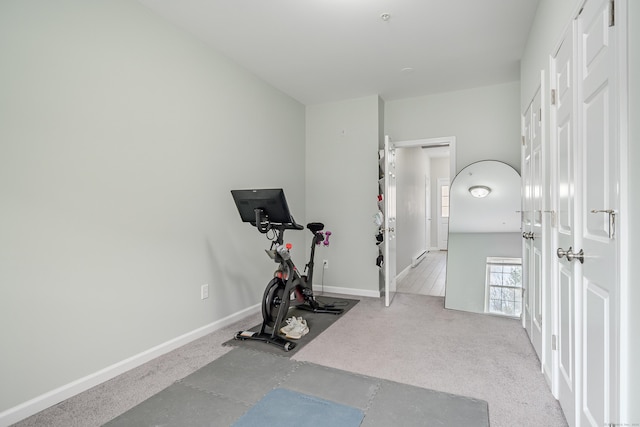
column 536, row 238
column 599, row 169
column 563, row 186
column 586, row 185
column 532, row 217
column 527, row 203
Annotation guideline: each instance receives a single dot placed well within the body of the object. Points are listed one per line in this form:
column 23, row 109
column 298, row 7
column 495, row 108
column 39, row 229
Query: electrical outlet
column 204, row 291
column 325, row 263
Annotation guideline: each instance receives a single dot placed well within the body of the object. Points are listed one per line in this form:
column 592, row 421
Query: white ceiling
column 327, row 50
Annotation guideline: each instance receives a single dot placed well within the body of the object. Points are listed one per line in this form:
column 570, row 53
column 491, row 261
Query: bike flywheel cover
column 273, row 301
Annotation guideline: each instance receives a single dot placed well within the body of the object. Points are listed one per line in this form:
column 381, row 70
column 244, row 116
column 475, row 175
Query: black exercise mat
column 225, row 389
column 317, row 322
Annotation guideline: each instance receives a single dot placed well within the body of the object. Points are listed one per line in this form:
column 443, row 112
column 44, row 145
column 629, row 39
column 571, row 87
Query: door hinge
column 523, row 143
column 540, row 115
column 612, row 13
column 554, row 342
column 553, row 97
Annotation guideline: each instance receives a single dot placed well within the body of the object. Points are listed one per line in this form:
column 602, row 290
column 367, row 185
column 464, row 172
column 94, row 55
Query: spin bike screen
column 271, row 201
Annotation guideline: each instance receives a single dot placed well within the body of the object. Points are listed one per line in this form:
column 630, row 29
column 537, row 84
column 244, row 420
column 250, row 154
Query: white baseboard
column 346, row 291
column 37, row 404
column 547, row 377
column 403, row 273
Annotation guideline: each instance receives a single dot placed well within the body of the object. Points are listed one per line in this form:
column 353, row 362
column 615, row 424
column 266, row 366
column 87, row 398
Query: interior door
column 563, row 129
column 599, row 170
column 526, row 213
column 389, row 251
column 532, row 216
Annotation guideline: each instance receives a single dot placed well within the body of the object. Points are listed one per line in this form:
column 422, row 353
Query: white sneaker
column 291, row 323
column 299, row 330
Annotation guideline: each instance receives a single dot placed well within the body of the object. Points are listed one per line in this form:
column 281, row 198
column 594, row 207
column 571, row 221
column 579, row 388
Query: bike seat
column 315, row 226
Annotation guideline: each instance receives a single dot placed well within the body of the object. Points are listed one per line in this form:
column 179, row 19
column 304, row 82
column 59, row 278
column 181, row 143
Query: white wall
column 120, row 138
column 466, row 271
column 341, row 187
column 411, row 169
column 552, row 18
column 485, row 122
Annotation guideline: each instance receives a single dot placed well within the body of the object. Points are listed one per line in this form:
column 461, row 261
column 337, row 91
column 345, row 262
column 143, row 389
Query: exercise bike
column 267, row 210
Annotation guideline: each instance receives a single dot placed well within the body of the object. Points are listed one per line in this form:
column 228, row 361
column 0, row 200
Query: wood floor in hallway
column 428, row 277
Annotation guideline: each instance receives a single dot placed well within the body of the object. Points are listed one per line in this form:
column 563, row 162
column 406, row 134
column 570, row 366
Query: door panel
column 537, row 286
column 566, row 333
column 596, row 381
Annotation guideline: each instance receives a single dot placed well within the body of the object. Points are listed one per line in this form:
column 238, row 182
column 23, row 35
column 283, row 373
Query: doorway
column 426, row 278
column 421, row 263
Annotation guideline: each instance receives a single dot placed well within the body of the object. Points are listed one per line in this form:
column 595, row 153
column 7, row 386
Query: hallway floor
column 428, row 277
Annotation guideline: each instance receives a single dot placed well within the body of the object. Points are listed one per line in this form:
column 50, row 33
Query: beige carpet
column 415, row 341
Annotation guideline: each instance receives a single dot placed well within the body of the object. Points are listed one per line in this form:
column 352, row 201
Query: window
column 504, row 286
column 444, row 202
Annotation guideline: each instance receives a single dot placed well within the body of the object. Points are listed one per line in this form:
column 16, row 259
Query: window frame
column 502, row 261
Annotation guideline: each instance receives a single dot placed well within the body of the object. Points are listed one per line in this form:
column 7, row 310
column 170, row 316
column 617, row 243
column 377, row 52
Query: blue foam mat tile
column 287, row 408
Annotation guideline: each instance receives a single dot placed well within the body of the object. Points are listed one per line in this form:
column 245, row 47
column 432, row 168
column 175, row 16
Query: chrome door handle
column 561, row 252
column 579, row 256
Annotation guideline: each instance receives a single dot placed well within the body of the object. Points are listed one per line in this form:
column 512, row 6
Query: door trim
column 624, row 401
column 442, row 245
column 450, row 140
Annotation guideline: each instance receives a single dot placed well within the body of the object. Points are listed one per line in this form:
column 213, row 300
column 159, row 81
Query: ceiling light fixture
column 479, row 191
column 385, row 16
